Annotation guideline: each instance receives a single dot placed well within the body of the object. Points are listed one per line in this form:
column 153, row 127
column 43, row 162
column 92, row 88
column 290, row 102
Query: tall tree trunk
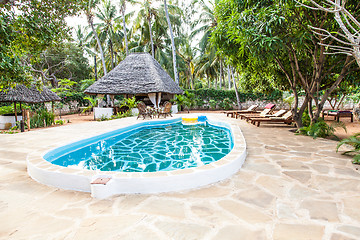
column 172, row 43
column 236, row 91
column 95, row 68
column 151, row 37
column 229, row 76
column 123, row 7
column 221, row 74
column 111, row 55
column 90, row 21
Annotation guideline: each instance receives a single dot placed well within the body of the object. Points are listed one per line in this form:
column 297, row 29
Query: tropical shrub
column 320, row 129
column 226, row 104
column 353, row 141
column 212, row 103
column 122, row 115
column 129, row 102
column 42, row 118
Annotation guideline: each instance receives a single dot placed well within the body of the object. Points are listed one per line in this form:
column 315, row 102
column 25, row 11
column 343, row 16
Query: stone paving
column 290, row 187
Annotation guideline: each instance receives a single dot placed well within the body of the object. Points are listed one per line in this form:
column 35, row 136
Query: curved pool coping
column 135, row 182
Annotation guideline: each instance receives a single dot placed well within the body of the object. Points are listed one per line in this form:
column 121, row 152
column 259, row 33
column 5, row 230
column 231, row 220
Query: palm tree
column 108, row 34
column 172, row 43
column 145, row 14
column 122, row 10
column 206, row 21
column 90, row 19
column 186, row 64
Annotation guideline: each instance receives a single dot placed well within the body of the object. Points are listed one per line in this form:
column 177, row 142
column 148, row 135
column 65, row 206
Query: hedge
column 219, row 95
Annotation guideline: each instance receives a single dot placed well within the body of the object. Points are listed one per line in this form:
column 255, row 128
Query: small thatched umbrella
column 138, row 73
column 23, row 94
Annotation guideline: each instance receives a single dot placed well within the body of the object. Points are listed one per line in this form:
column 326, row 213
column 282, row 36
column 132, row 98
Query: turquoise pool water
column 148, row 148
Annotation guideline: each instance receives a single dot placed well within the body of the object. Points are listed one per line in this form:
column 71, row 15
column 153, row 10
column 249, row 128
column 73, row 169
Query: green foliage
column 129, row 102
column 353, row 141
column 59, row 122
column 187, row 100
column 103, row 118
column 289, row 99
column 320, row 129
column 212, row 104
column 219, row 95
column 306, row 118
column 92, row 103
column 122, row 115
column 27, row 29
column 73, row 96
column 64, row 61
column 199, row 102
column 65, row 86
column 42, row 118
column 10, row 109
column 226, row 104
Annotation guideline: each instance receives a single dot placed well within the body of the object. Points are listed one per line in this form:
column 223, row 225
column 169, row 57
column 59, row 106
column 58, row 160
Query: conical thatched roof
column 46, row 94
column 23, row 94
column 137, row 73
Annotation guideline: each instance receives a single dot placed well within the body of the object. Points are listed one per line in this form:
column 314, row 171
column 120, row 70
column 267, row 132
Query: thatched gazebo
column 140, row 75
column 22, row 94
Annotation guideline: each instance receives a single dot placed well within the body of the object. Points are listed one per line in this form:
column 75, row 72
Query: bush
column 219, row 95
column 320, row 129
column 122, row 115
column 42, row 118
column 226, row 104
column 212, row 104
column 353, row 141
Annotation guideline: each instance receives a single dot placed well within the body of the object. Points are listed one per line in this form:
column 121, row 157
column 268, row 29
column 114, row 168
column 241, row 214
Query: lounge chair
column 166, row 110
column 259, row 114
column 268, row 109
column 276, row 114
column 143, row 111
column 286, row 118
column 250, row 109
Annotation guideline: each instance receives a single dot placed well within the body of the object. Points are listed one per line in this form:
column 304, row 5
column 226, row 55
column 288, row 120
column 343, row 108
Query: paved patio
column 290, row 187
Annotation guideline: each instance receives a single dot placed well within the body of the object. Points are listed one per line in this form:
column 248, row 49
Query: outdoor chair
column 276, row 114
column 143, row 111
column 286, row 118
column 251, row 109
column 166, row 110
column 264, row 112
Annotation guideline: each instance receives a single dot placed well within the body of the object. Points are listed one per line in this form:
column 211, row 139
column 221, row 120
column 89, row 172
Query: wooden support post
column 27, row 114
column 15, row 111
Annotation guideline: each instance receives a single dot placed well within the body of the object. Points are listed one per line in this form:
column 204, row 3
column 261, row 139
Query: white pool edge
column 129, row 183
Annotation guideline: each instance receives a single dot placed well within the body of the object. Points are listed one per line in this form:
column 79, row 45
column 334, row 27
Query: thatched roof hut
column 138, row 73
column 46, row 94
column 23, row 94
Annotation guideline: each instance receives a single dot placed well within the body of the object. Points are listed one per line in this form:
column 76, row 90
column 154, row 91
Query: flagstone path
column 290, row 187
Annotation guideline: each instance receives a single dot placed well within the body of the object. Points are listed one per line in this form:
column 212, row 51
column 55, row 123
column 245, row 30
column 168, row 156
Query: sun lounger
column 286, row 118
column 276, row 114
column 338, row 114
column 260, row 114
column 251, row 109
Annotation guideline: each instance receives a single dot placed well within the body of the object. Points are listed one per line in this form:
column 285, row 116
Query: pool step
column 100, row 187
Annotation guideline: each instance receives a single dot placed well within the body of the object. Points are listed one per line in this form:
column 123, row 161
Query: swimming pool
column 149, row 148
column 75, row 177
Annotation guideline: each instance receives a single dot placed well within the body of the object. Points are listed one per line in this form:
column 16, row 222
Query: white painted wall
column 8, row 119
column 102, row 112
